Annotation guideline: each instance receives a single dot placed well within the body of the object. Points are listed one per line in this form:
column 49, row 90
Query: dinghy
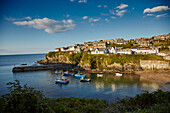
column 79, row 75
column 84, row 80
column 67, row 74
column 62, row 81
column 118, row 74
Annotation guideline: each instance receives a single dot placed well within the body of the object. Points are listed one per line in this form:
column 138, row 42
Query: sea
column 109, row 87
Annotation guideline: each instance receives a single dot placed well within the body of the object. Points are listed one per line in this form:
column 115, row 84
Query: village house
column 145, row 50
column 88, row 43
column 99, row 51
column 57, row 49
column 112, row 50
column 72, row 48
column 124, row 51
column 164, row 53
column 101, row 43
column 64, row 48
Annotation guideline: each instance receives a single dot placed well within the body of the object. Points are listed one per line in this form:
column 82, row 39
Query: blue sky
column 38, row 26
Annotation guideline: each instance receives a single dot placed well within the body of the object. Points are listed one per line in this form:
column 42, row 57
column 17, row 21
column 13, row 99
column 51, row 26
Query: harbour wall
column 154, row 64
column 59, row 66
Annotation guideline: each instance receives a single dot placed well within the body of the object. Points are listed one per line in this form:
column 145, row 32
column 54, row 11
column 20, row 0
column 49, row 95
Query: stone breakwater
column 59, row 66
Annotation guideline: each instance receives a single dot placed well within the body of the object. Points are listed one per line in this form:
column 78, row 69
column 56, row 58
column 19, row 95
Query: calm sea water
column 109, row 87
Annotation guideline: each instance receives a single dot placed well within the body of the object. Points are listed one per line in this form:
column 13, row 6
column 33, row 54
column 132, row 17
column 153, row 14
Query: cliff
column 100, row 62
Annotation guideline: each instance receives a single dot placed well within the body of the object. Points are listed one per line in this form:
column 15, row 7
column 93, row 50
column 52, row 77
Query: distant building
column 99, row 51
column 64, row 48
column 57, row 49
column 145, row 50
column 99, row 43
column 124, row 51
column 112, row 50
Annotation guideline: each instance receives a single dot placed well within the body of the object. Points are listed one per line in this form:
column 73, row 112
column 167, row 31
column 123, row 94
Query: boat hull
column 79, row 76
column 85, row 80
column 61, row 82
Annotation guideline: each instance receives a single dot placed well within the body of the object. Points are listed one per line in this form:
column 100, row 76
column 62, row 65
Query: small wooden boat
column 67, row 74
column 99, row 75
column 56, row 72
column 62, row 81
column 118, row 74
column 84, row 80
column 79, row 75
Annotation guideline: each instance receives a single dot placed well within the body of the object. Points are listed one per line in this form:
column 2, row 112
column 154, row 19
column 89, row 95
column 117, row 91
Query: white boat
column 82, row 79
column 118, row 74
column 99, row 75
column 68, row 74
column 56, row 72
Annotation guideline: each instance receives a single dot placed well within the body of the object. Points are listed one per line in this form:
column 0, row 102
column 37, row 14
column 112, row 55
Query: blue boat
column 79, row 75
column 67, row 74
column 62, row 81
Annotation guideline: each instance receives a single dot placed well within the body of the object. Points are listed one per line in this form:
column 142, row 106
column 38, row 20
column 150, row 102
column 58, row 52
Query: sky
column 39, row 26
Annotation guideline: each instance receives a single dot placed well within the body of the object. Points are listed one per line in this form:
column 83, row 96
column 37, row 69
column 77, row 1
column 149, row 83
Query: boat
column 56, row 72
column 62, row 81
column 118, row 74
column 67, row 74
column 84, row 79
column 79, row 75
column 99, row 75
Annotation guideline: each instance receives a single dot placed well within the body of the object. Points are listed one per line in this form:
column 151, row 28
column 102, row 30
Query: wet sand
column 161, row 77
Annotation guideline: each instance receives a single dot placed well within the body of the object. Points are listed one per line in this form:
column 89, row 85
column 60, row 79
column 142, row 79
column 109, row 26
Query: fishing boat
column 99, row 75
column 118, row 74
column 67, row 74
column 84, row 80
column 79, row 75
column 56, row 72
column 62, row 81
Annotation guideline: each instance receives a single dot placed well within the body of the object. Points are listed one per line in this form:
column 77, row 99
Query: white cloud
column 72, row 0
column 156, row 9
column 102, row 6
column 161, row 15
column 85, row 17
column 17, row 19
column 112, row 12
column 107, row 20
column 99, row 6
column 82, row 1
column 149, row 15
column 120, row 13
column 122, row 6
column 49, row 25
column 94, row 20
column 112, row 17
column 105, row 6
column 103, row 14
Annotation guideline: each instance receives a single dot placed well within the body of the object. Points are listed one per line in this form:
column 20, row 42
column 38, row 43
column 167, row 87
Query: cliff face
column 107, row 62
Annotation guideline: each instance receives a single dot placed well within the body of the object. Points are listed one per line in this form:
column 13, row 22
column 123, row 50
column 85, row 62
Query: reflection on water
column 108, row 87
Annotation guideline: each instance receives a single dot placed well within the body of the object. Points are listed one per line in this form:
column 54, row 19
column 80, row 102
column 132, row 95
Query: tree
column 23, row 99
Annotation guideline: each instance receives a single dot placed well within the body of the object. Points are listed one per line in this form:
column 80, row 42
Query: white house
column 145, row 50
column 124, row 51
column 99, row 51
column 112, row 50
column 77, row 50
column 64, row 48
column 72, row 48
